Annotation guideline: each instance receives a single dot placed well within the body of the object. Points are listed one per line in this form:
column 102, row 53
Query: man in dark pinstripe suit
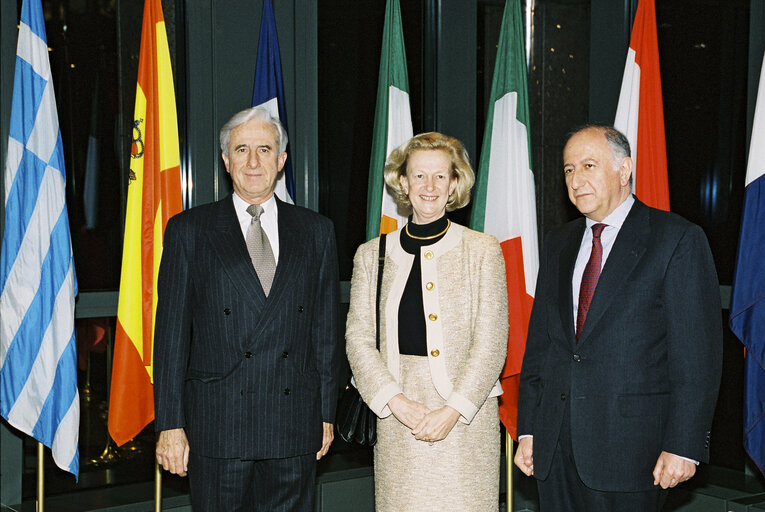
column 245, row 380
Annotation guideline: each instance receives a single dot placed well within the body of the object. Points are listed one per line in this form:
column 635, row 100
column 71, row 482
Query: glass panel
column 350, row 41
column 82, row 37
column 558, row 80
column 703, row 49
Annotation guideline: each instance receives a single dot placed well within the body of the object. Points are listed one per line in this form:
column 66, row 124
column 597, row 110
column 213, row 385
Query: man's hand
column 436, row 425
column 671, row 470
column 173, row 451
column 524, row 456
column 329, row 436
column 408, row 412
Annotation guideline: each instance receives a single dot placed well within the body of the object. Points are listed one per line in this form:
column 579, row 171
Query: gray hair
column 620, row 146
column 249, row 114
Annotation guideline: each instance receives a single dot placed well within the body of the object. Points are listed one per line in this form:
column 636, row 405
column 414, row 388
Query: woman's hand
column 436, row 425
column 408, row 412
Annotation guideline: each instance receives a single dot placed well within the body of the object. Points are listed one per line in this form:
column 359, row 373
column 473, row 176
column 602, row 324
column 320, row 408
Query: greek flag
column 38, row 374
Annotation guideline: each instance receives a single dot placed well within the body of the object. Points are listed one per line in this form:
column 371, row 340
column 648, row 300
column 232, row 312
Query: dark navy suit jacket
column 644, row 375
column 246, row 376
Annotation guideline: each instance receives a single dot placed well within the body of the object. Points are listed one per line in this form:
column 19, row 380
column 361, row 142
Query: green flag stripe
column 509, row 75
column 392, row 73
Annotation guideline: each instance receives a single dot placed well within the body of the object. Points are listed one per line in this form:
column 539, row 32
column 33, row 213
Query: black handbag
column 355, row 421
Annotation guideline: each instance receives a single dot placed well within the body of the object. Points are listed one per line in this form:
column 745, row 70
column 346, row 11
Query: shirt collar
column 617, row 217
column 240, row 205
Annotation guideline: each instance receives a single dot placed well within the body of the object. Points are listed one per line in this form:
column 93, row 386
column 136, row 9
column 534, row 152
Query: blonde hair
column 395, row 167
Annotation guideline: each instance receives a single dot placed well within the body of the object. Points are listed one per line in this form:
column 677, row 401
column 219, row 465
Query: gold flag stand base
column 108, row 456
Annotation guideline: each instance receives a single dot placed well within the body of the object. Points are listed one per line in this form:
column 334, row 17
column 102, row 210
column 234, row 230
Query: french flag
column 747, row 308
column 268, row 91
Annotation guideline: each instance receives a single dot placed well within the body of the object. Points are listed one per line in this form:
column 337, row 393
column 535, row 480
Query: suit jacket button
column 300, row 309
column 577, row 358
column 286, row 391
column 563, row 396
column 248, row 355
column 435, row 353
column 285, row 354
column 429, row 286
column 227, row 311
column 433, row 317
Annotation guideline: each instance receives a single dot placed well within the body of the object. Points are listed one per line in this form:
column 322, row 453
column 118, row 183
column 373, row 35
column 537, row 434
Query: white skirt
column 459, row 473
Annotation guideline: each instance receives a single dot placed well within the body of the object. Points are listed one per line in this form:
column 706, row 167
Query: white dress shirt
column 613, row 223
column 269, row 221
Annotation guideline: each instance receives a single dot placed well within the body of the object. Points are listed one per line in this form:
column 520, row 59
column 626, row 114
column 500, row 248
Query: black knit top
column 411, row 313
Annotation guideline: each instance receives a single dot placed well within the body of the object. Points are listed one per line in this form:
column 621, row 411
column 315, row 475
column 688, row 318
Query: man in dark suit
column 245, row 380
column 623, row 356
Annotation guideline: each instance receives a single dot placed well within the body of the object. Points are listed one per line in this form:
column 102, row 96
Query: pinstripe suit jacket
column 246, row 376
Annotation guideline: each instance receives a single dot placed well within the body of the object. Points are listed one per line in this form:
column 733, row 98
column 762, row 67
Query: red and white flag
column 640, row 114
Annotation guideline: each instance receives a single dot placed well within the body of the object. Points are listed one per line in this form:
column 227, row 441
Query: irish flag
column 640, row 113
column 393, row 124
column 154, row 195
column 504, row 197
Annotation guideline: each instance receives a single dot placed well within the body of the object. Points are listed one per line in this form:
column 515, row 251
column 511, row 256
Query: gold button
column 434, row 353
column 433, row 317
column 428, row 255
column 429, row 286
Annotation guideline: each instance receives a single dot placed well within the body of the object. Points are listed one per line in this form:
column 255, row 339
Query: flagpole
column 157, row 487
column 40, row 479
column 509, row 471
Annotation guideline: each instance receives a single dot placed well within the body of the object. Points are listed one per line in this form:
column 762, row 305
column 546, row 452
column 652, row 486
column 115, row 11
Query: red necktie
column 589, row 278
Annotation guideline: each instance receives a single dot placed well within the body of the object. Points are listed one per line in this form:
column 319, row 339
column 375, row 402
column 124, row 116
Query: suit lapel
column 567, row 261
column 227, row 242
column 629, row 247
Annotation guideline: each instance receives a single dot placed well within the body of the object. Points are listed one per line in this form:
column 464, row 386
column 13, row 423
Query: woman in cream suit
column 443, row 338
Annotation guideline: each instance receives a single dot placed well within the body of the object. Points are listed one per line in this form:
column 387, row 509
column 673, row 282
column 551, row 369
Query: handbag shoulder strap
column 380, row 265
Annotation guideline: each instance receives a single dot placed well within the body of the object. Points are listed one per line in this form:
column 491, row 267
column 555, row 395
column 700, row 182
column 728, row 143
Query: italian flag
column 504, row 201
column 640, row 113
column 393, row 124
column 154, row 195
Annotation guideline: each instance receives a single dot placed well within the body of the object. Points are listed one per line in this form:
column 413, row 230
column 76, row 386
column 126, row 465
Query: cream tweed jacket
column 465, row 301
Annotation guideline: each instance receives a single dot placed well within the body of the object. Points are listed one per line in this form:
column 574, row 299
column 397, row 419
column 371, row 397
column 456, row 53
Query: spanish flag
column 154, row 195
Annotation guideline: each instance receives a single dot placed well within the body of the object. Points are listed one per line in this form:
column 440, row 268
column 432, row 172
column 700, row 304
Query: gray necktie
column 260, row 249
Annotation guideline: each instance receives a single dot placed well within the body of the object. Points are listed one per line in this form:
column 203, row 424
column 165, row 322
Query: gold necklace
column 431, row 237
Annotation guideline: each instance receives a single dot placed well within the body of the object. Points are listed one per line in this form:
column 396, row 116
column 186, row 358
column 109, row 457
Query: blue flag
column 38, row 360
column 269, row 91
column 747, row 308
